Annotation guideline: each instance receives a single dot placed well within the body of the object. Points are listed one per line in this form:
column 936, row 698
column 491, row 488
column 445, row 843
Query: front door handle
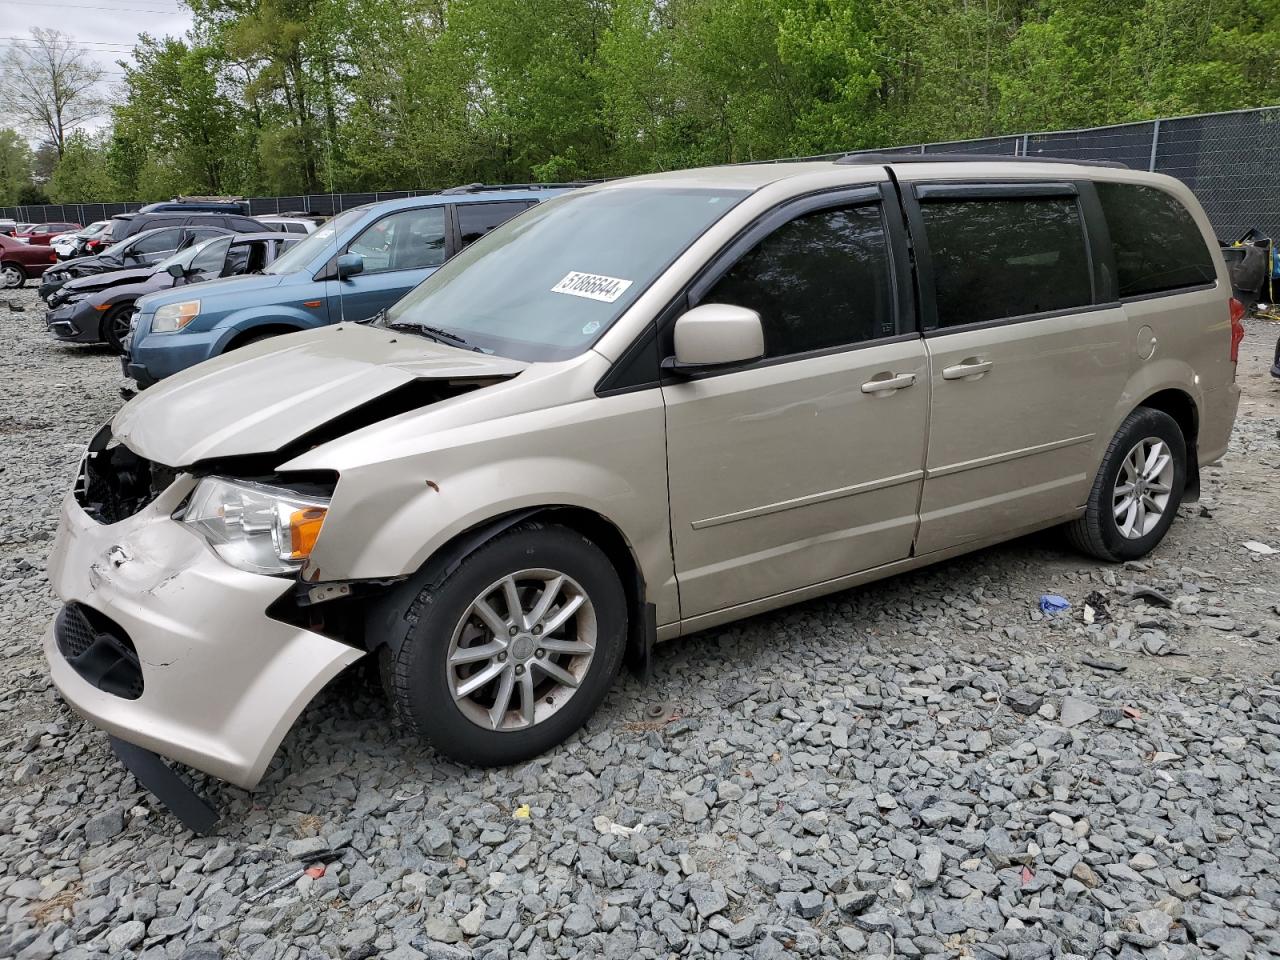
column 889, row 384
column 971, row 367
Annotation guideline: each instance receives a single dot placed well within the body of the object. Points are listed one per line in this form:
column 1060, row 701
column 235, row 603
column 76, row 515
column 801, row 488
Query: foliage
column 296, row 96
column 15, row 166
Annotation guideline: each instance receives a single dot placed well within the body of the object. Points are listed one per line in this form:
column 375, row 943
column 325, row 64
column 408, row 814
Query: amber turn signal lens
column 304, row 527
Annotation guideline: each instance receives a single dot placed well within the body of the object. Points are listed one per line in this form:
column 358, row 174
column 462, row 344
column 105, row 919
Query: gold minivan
column 636, row 411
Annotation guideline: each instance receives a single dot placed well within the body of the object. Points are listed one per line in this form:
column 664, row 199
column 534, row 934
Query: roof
column 891, row 159
column 753, row 176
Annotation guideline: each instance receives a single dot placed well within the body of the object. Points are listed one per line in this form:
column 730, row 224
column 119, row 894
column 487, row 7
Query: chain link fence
column 1231, row 161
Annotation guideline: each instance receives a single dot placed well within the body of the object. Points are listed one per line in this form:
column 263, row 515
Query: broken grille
column 115, row 483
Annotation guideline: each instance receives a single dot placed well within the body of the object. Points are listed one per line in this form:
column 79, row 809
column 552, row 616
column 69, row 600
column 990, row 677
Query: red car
column 20, row 262
column 41, row 233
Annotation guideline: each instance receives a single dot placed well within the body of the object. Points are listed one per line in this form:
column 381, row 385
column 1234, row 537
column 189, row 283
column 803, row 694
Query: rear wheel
column 115, row 325
column 1137, row 490
column 510, row 653
column 11, row 276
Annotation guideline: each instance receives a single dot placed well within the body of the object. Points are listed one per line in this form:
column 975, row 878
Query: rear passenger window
column 477, row 219
column 1158, row 246
column 995, row 259
column 820, row 281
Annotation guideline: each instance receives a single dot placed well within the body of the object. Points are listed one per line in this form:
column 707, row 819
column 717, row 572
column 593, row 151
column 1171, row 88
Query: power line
column 87, row 6
column 79, row 43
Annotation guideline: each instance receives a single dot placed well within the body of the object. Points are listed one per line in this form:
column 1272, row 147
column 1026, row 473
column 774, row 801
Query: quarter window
column 1158, row 246
column 820, row 281
column 409, row 240
column 477, row 219
column 996, row 259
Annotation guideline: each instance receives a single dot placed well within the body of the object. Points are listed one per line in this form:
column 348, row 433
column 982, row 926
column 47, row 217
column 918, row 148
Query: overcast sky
column 108, row 29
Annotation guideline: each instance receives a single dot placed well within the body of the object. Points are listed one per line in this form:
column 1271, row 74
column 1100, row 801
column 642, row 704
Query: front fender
column 247, row 320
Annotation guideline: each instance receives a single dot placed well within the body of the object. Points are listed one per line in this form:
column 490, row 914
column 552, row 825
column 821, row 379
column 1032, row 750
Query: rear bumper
column 1217, row 418
column 222, row 682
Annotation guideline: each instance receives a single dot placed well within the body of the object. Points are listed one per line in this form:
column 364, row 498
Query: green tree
column 15, row 166
column 82, row 175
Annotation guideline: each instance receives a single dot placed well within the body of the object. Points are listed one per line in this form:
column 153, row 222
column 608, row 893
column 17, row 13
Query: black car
column 99, row 308
column 140, row 250
column 208, row 204
column 125, row 225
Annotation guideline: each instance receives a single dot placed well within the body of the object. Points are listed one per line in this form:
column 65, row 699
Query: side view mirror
column 176, row 271
column 348, row 265
column 715, row 335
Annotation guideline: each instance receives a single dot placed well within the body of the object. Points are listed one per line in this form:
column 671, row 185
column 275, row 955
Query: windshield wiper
column 435, row 333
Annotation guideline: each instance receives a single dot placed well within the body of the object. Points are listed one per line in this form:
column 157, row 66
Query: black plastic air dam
column 167, row 786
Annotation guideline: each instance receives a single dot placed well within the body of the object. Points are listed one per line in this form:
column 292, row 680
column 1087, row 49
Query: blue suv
column 355, row 265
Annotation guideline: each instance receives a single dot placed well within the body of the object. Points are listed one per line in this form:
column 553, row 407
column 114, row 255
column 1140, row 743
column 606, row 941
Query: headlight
column 255, row 527
column 172, row 317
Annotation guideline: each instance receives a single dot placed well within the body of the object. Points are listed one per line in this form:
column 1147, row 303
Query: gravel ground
column 924, row 767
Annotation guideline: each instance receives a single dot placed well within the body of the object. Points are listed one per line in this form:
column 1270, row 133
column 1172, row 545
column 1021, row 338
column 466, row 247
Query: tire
column 421, row 677
column 11, row 276
column 115, row 326
column 1136, row 532
column 257, row 338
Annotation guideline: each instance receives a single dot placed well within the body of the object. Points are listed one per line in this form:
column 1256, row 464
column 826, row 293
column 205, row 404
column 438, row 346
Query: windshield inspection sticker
column 593, row 286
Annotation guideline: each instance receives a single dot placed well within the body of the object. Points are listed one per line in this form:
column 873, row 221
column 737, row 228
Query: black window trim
column 1101, row 296
column 880, row 192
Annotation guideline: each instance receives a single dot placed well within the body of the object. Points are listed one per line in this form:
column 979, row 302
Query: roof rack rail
column 480, row 187
column 880, row 158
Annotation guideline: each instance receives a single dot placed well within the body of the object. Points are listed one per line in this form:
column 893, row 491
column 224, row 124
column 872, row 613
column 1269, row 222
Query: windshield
column 548, row 283
column 303, row 253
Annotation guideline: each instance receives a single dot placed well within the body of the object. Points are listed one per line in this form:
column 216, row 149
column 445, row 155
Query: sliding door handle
column 972, row 367
column 889, row 384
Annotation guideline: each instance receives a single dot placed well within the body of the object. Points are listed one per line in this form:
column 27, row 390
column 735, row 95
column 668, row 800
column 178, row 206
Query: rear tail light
column 1237, row 328
column 53, row 257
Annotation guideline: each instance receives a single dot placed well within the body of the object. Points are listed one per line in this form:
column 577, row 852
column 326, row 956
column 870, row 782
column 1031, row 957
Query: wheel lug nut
column 537, row 631
column 540, row 653
column 512, row 631
column 502, row 657
column 519, row 670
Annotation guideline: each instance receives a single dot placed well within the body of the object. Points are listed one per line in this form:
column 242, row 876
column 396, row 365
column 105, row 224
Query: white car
column 289, row 224
column 64, row 243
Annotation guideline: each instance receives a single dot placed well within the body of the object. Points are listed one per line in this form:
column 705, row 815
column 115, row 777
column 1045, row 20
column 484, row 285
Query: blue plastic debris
column 1052, row 604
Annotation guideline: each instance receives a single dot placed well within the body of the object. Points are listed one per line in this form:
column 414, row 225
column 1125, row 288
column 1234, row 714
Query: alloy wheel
column 522, row 649
column 1143, row 488
column 10, row 276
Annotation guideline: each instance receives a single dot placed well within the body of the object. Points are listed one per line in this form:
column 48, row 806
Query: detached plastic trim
column 181, row 799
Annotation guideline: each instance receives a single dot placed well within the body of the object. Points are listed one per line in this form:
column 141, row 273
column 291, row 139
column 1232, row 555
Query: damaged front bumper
column 218, row 682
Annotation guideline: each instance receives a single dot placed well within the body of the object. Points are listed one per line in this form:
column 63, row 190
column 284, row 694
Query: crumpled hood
column 259, row 398
column 99, row 281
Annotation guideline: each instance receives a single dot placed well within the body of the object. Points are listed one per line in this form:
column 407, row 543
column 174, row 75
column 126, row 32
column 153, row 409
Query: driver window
column 209, row 260
column 409, row 240
column 164, row 241
column 820, row 281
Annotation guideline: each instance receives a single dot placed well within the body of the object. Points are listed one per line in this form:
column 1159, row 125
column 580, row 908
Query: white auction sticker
column 593, row 286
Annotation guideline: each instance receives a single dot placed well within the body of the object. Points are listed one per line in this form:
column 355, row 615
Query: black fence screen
column 1231, row 161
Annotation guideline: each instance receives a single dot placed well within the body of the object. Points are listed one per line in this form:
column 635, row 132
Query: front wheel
column 11, row 276
column 116, row 325
column 1137, row 490
column 510, row 653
